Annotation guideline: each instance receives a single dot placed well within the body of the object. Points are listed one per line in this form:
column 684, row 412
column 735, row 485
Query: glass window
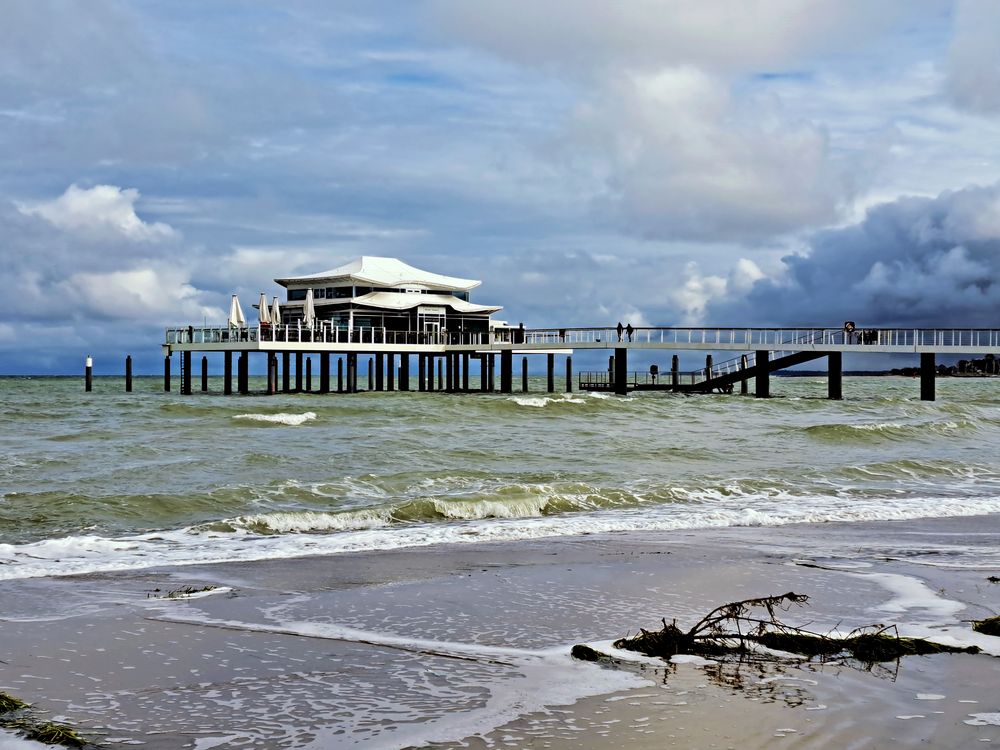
column 295, row 295
column 359, row 290
column 461, row 295
column 319, row 293
column 339, row 292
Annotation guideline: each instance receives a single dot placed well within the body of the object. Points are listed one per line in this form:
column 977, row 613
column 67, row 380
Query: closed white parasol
column 275, row 312
column 263, row 312
column 236, row 318
column 309, row 310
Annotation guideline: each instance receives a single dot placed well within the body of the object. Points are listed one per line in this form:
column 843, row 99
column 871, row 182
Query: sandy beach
column 469, row 645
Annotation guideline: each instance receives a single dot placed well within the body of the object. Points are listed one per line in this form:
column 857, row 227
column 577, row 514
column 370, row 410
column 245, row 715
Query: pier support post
column 524, row 374
column 675, row 372
column 379, row 371
column 449, row 372
column 569, row 374
column 243, row 376
column 611, row 371
column 271, row 374
column 309, row 374
column 550, row 373
column 763, row 380
column 128, row 374
column 421, row 372
column 286, row 375
column 440, row 365
column 835, row 375
column 928, row 371
column 621, row 371
column 465, row 371
column 404, row 372
column 204, row 374
column 492, row 371
column 352, row 372
column 744, row 384
column 340, row 374
column 88, row 374
column 298, row 372
column 371, row 383
column 324, row 372
column 166, row 374
column 227, row 373
column 186, row 373
column 708, row 367
column 506, row 371
column 484, row 375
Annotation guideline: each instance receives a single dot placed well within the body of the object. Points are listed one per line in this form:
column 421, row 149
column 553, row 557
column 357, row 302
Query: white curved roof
column 390, row 272
column 398, row 301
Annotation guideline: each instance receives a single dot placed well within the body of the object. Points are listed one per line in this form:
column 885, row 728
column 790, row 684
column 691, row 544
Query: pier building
column 388, row 312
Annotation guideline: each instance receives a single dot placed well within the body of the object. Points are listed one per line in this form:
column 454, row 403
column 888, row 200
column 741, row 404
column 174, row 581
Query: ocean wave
column 542, row 401
column 292, row 420
column 894, row 430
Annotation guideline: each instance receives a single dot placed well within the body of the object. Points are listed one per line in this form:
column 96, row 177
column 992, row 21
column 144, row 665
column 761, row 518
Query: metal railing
column 325, row 333
column 754, row 337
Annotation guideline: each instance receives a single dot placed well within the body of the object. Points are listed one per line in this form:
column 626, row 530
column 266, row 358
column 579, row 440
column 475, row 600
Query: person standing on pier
column 629, row 330
column 620, row 329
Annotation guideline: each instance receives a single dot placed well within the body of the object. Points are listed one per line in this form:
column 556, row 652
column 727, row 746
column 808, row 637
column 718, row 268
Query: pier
column 444, row 359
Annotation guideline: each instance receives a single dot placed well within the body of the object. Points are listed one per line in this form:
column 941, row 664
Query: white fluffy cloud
column 680, row 157
column 102, row 210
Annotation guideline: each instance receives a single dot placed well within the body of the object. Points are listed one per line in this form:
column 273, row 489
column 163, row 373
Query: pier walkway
column 453, row 350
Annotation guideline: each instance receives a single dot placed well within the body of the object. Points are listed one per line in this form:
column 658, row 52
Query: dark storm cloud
column 912, row 262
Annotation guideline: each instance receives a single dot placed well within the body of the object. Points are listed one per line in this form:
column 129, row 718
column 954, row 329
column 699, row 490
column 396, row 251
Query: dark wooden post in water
column 404, row 372
column 928, row 370
column 128, row 374
column 449, row 373
column 88, row 374
column 166, row 374
column 352, row 372
column 524, row 374
column 763, row 384
column 340, row 374
column 621, row 371
column 835, row 375
column 298, row 372
column 492, row 371
column 309, row 374
column 286, row 374
column 186, row 373
column 550, row 373
column 506, row 371
column 744, row 385
column 227, row 373
column 371, row 382
column 708, row 367
column 272, row 374
column 421, row 372
column 440, row 375
column 465, row 371
column 569, row 374
column 379, row 371
column 243, row 374
column 204, row 374
column 611, row 370
column 324, row 372
column 675, row 371
column 484, row 375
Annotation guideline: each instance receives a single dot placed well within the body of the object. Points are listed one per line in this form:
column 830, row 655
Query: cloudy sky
column 664, row 162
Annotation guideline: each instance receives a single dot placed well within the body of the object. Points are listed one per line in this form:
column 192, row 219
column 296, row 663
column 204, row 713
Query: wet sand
column 468, row 645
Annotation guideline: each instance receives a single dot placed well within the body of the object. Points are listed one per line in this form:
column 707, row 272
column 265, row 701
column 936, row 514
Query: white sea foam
column 542, row 401
column 984, row 720
column 282, row 418
column 912, row 594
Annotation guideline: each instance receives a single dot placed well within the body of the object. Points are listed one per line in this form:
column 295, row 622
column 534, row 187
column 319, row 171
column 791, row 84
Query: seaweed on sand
column 15, row 714
column 741, row 628
column 989, row 626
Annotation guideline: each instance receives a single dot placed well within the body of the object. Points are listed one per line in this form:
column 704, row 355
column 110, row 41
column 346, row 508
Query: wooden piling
column 286, row 372
column 506, row 371
column 675, row 372
column 404, row 372
column 465, row 371
column 324, row 372
column 379, row 371
column 227, row 373
column 371, row 375
column 569, row 374
column 128, row 374
column 449, row 373
column 835, row 375
column 550, row 373
column 763, row 380
column 243, row 376
column 421, row 372
column 186, row 373
column 88, row 374
column 166, row 374
column 340, row 374
column 272, row 374
column 204, row 374
column 621, row 371
column 928, row 371
column 708, row 367
column 484, row 373
column 524, row 374
column 492, row 367
column 744, row 383
column 309, row 374
column 298, row 372
column 440, row 365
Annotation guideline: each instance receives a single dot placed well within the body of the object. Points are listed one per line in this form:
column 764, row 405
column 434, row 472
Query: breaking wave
column 282, row 418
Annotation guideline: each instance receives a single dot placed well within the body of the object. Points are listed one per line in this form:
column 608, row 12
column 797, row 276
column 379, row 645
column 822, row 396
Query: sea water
column 113, row 481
